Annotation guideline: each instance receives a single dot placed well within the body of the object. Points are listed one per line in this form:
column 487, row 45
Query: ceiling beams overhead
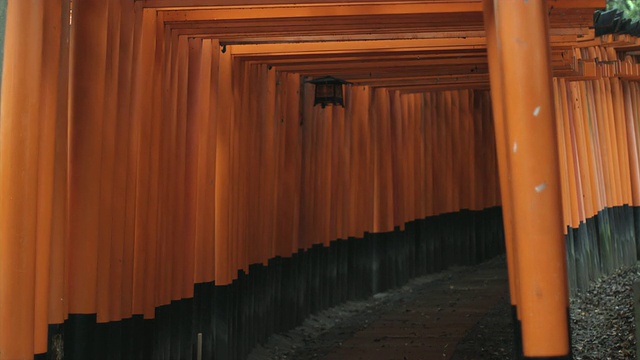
column 413, row 44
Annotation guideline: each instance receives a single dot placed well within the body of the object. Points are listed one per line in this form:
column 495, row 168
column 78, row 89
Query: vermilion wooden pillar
column 58, row 289
column 108, row 164
column 86, row 115
column 500, row 129
column 87, row 99
column 53, row 72
column 632, row 144
column 19, row 146
column 523, row 35
column 141, row 119
column 223, row 273
column 122, row 118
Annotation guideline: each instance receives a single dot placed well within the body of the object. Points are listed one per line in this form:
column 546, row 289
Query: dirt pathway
column 423, row 320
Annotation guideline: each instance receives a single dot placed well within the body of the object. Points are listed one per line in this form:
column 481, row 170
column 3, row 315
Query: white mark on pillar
column 536, row 112
column 515, row 148
column 541, row 187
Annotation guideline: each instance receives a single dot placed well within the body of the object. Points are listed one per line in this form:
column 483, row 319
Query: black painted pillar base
column 517, row 334
column 55, row 344
column 636, row 229
column 269, row 299
column 79, row 337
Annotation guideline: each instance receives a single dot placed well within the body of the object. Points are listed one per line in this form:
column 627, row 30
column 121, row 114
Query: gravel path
column 323, row 332
column 602, row 319
column 427, row 316
column 602, row 323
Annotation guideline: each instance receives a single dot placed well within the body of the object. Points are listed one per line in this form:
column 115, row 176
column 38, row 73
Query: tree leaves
column 631, row 8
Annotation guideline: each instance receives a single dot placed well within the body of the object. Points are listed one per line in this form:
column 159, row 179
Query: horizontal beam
column 188, row 4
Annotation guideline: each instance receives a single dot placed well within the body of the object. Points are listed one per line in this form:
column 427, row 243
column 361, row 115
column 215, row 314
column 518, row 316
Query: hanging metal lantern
column 329, row 91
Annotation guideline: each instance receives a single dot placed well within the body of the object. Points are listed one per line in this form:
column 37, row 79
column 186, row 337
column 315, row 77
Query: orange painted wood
column 19, row 144
column 592, row 151
column 397, row 161
column 476, row 145
column 617, row 157
column 261, row 170
column 456, row 156
column 567, row 141
column 187, row 3
column 605, row 165
column 535, row 178
column 364, row 148
column 430, row 147
column 383, row 190
column 575, row 185
column 288, row 203
column 223, row 263
column 473, row 184
column 632, row 145
column 380, row 7
column 279, row 118
column 165, row 178
column 493, row 163
column 577, row 149
column 610, row 190
column 187, row 164
column 353, row 142
column 294, row 145
column 88, row 64
column 108, row 164
column 53, row 21
column 245, row 137
column 154, row 133
column 324, row 177
column 122, row 128
column 132, row 150
column 306, row 198
column 621, row 139
column 178, row 252
column 171, row 273
column 562, row 149
column 209, row 167
column 240, row 139
column 481, row 151
column 141, row 108
column 419, row 153
column 336, row 167
column 444, row 153
column 314, row 126
column 317, row 125
column 410, row 164
column 582, row 152
column 269, row 130
column 341, row 149
column 464, row 185
column 58, row 289
column 193, row 129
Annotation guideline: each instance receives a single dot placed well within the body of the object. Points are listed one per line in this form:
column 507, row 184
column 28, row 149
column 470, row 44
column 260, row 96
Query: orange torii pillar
column 19, row 167
column 534, row 180
column 496, row 80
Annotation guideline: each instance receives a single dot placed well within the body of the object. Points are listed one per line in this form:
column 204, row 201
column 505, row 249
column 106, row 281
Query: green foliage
column 631, row 8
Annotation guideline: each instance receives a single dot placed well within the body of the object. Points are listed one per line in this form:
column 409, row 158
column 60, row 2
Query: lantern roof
column 328, row 80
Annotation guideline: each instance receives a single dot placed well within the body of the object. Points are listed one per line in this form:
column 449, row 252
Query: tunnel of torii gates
column 168, row 188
